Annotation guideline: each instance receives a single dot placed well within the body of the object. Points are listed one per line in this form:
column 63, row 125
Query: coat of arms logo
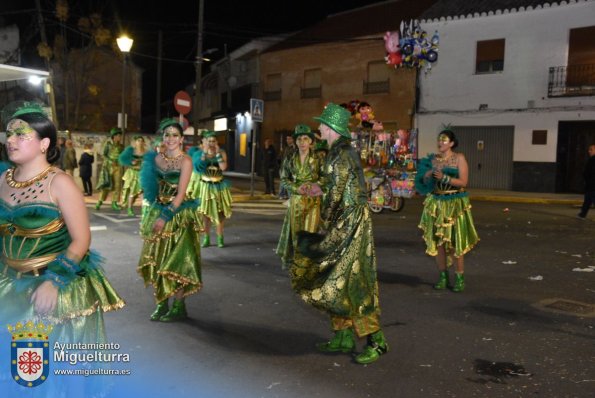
column 30, row 353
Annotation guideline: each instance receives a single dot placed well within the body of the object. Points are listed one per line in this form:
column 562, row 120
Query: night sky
column 231, row 22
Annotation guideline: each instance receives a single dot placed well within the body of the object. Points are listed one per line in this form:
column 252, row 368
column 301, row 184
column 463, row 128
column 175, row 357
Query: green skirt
column 170, row 260
column 215, row 199
column 131, row 182
column 447, row 221
column 78, row 316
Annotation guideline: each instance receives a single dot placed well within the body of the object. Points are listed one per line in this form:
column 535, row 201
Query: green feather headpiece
column 167, row 122
column 29, row 107
column 209, row 133
column 115, row 131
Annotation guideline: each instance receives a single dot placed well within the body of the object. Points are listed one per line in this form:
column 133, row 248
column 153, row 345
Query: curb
column 515, row 199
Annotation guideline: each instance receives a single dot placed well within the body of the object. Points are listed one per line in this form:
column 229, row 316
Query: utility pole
column 158, row 95
column 201, row 7
column 49, row 82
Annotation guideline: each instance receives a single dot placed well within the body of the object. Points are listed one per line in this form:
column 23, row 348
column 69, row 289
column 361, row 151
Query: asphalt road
column 524, row 326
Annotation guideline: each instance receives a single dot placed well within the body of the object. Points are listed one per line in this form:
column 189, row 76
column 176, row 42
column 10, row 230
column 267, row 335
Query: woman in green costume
column 336, row 271
column 446, row 220
column 195, row 153
column 132, row 159
column 170, row 257
column 214, row 189
column 298, row 171
column 110, row 176
column 46, row 270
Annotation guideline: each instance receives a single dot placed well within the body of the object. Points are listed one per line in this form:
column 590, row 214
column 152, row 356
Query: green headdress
column 208, row 134
column 29, row 107
column 337, row 118
column 137, row 137
column 302, row 129
column 115, row 131
column 167, row 122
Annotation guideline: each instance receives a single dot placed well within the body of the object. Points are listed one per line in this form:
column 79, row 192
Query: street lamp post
column 124, row 44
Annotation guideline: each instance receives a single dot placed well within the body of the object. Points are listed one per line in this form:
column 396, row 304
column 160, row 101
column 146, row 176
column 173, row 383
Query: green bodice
column 168, row 185
column 32, row 230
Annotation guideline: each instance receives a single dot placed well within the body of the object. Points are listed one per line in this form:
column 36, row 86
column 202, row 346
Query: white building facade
column 518, row 88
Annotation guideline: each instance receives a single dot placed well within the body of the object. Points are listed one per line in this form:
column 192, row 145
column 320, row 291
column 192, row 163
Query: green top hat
column 302, row 129
column 337, row 118
column 115, row 131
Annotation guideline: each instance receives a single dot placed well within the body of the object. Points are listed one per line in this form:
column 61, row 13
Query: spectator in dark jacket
column 589, row 174
column 86, row 169
column 269, row 162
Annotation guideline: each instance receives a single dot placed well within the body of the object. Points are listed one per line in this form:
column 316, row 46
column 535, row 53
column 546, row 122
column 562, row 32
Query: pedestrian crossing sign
column 256, row 109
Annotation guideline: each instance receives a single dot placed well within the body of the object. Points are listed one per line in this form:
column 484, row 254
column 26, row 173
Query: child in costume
column 214, row 189
column 298, row 171
column 170, row 256
column 132, row 159
column 336, row 271
column 446, row 220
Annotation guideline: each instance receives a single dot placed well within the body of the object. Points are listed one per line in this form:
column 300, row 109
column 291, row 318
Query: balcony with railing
column 379, row 87
column 311, row 92
column 571, row 81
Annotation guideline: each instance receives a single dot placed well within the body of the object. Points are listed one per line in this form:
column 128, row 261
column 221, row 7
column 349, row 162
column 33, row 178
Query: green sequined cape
column 336, row 272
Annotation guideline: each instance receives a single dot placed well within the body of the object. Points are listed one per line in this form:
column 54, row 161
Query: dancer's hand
column 158, row 226
column 44, row 298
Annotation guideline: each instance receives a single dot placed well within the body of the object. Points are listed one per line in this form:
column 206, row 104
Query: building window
column 490, row 56
column 378, row 80
column 312, row 84
column 273, row 87
column 539, row 137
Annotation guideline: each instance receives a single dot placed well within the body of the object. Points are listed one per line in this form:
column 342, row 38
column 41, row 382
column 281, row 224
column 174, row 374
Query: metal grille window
column 312, row 84
column 490, row 56
column 273, row 87
column 378, row 78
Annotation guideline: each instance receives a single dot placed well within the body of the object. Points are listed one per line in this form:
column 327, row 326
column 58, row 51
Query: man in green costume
column 336, row 271
column 110, row 177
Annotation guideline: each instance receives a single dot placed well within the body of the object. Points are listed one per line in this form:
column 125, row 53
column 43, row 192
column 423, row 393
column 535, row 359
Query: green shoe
column 116, row 206
column 220, row 241
column 442, row 281
column 459, row 283
column 176, row 313
column 98, row 204
column 376, row 346
column 161, row 310
column 206, row 241
column 130, row 212
column 342, row 341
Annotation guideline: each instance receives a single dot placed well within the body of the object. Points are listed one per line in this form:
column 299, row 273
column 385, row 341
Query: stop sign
column 182, row 102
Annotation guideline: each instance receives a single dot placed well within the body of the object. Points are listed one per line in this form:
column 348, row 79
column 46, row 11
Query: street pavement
column 523, row 327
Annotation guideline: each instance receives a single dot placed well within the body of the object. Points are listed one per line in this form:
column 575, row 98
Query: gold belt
column 50, row 228
column 449, row 192
column 207, row 178
column 34, row 264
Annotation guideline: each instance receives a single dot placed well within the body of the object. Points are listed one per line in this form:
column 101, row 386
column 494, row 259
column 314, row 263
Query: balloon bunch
column 411, row 47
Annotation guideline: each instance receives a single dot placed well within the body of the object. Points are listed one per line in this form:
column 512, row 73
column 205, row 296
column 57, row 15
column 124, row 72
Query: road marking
column 269, row 208
column 98, row 227
column 113, row 219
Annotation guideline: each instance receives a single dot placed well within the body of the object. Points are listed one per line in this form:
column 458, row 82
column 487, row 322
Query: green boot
column 376, row 346
column 206, row 241
column 161, row 310
column 459, row 283
column 442, row 281
column 98, row 204
column 116, row 206
column 220, row 241
column 342, row 341
column 176, row 313
column 130, row 212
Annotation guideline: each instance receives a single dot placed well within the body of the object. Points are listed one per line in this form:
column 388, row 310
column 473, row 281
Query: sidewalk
column 241, row 187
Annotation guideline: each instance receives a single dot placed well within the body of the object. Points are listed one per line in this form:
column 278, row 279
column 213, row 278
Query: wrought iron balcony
column 311, row 92
column 571, row 81
column 380, row 87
